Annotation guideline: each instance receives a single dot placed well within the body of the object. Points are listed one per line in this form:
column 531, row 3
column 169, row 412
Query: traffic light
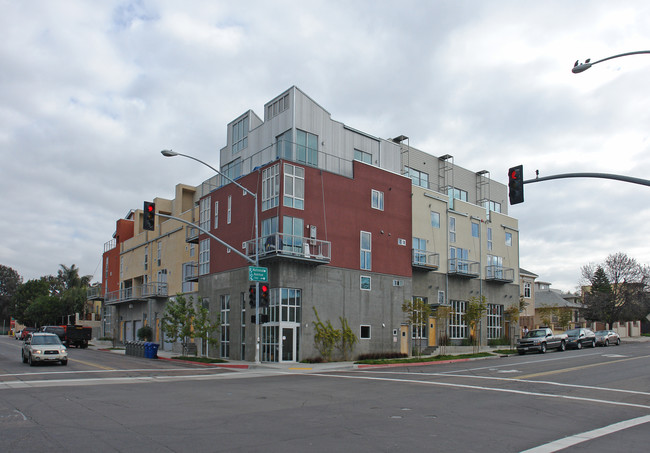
column 251, row 296
column 149, row 216
column 516, row 184
column 264, row 295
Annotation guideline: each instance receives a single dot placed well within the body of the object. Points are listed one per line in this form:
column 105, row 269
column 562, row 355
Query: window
column 458, row 194
column 363, row 156
column 527, row 290
column 418, row 178
column 283, row 145
column 489, row 238
column 364, row 332
column 492, row 206
column 435, row 219
column 229, row 214
column 419, row 251
column 121, row 267
column 495, row 266
column 146, row 257
column 240, row 135
column 159, row 257
column 290, row 305
column 366, row 251
column 204, row 257
column 452, row 229
column 377, row 200
column 231, row 170
column 419, row 326
column 277, row 107
column 204, row 213
column 292, row 238
column 494, row 321
column 216, row 215
column 294, row 186
column 271, row 187
column 189, row 270
column 192, row 250
column 364, row 283
column 307, row 148
column 441, row 297
column 225, row 326
column 458, row 259
column 457, row 326
column 474, row 229
column 509, row 239
column 269, row 231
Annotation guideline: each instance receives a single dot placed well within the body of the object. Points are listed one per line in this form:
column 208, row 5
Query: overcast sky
column 90, row 92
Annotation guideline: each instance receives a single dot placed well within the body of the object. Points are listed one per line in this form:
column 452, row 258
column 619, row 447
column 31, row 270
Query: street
column 109, row 402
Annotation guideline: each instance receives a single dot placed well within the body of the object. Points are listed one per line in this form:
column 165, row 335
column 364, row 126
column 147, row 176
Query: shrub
column 145, row 333
column 382, row 355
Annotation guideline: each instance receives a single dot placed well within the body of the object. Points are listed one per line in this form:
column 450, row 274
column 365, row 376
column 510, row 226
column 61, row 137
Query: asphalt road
column 590, row 400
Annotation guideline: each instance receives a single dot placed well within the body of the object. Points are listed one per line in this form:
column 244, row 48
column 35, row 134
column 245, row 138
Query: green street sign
column 258, row 274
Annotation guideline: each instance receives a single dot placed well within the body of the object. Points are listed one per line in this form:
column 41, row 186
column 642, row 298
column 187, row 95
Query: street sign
column 258, row 274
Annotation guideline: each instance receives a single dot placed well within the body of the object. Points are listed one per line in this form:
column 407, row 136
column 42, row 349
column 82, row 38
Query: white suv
column 44, row 347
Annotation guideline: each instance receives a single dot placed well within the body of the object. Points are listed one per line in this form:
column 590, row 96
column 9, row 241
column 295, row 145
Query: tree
column 10, row 280
column 326, row 337
column 476, row 308
column 204, row 327
column 177, row 320
column 619, row 290
column 26, row 295
column 348, row 338
column 417, row 313
column 442, row 315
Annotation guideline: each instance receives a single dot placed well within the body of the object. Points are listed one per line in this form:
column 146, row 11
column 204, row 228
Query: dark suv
column 58, row 330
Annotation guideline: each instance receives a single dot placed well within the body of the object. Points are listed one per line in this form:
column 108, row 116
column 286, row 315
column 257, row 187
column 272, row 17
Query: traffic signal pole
column 643, row 182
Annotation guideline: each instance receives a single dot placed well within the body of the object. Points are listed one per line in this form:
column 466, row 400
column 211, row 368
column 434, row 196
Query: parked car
column 44, row 347
column 577, row 338
column 17, row 334
column 607, row 337
column 541, row 340
column 57, row 330
column 26, row 331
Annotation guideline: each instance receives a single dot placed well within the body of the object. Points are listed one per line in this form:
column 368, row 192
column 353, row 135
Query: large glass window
column 283, row 145
column 240, row 135
column 271, row 187
column 204, row 257
column 232, row 170
column 419, row 250
column 418, row 178
column 457, row 325
column 366, row 251
column 307, row 148
column 204, row 213
column 225, row 326
column 458, row 259
column 294, row 186
column 292, row 235
column 494, row 321
column 363, row 156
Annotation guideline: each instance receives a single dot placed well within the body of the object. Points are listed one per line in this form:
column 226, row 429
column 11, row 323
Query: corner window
column 294, row 186
column 270, row 187
column 377, row 200
column 307, row 148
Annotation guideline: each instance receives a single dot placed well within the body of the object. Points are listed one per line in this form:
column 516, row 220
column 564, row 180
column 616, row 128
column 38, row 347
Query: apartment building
column 350, row 226
column 142, row 269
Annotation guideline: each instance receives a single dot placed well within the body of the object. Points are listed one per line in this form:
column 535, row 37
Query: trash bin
column 128, row 348
column 154, row 350
column 147, row 350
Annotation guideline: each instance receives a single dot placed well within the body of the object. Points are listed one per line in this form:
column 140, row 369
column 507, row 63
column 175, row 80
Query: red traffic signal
column 149, row 216
column 251, row 296
column 264, row 295
column 516, row 184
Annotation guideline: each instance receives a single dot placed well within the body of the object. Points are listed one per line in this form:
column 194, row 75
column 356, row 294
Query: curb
column 217, row 365
column 432, row 362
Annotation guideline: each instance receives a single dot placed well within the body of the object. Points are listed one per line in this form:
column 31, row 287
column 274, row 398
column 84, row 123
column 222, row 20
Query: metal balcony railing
column 140, row 292
column 191, row 234
column 425, row 260
column 464, row 268
column 289, row 246
column 499, row 274
column 190, row 272
column 94, row 293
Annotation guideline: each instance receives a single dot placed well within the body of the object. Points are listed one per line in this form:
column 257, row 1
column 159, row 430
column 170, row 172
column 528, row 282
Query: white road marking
column 570, row 441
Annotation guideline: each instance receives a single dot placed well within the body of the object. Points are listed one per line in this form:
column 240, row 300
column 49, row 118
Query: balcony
column 94, row 293
column 140, row 292
column 499, row 274
column 464, row 268
column 285, row 246
column 191, row 235
column 421, row 259
column 190, row 272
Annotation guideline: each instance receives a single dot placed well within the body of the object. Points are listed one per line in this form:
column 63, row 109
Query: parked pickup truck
column 71, row 335
column 540, row 340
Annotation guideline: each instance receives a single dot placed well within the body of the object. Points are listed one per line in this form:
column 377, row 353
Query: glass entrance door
column 288, row 344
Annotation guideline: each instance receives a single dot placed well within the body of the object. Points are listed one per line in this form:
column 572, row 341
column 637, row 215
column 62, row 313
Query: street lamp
column 581, row 67
column 170, row 153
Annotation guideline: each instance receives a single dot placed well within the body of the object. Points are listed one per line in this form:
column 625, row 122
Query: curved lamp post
column 170, row 153
column 581, row 67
